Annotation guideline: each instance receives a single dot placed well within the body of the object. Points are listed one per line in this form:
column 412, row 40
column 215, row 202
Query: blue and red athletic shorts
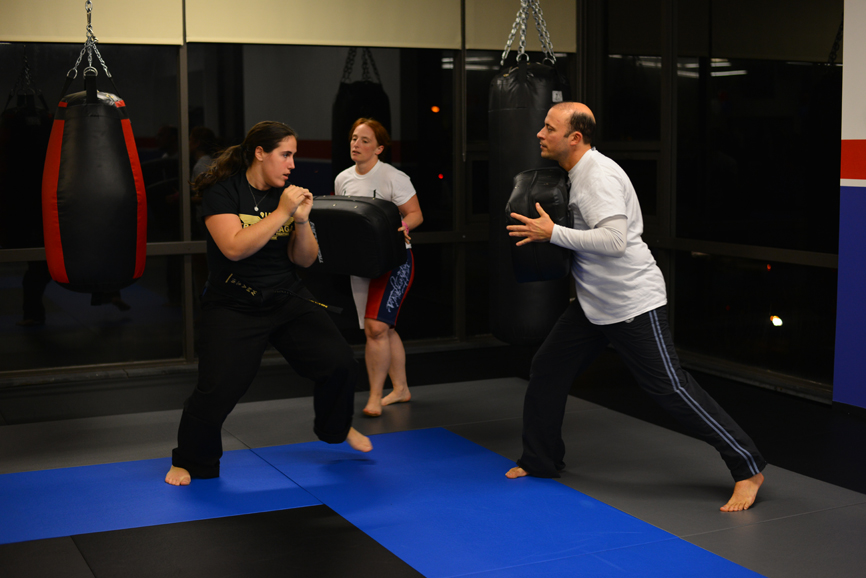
column 386, row 294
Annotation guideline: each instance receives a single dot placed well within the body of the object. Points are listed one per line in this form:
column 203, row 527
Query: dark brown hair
column 267, row 134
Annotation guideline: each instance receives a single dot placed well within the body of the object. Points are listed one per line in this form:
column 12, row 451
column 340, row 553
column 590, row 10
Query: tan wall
column 386, row 23
column 114, row 22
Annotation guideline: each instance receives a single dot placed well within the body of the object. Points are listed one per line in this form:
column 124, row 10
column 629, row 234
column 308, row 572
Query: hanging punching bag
column 520, row 96
column 520, row 313
column 360, row 99
column 93, row 201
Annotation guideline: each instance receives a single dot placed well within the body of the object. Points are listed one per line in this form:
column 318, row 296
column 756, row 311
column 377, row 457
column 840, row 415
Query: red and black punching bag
column 93, row 202
column 520, row 96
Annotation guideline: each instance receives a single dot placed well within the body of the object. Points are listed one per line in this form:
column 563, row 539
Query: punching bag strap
column 90, row 85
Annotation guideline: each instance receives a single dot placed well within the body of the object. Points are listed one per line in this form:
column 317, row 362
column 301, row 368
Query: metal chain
column 511, row 37
column 522, row 47
column 543, row 34
column 365, row 66
column 540, row 26
column 373, row 64
column 89, row 48
column 836, row 43
column 367, row 63
column 23, row 83
column 350, row 64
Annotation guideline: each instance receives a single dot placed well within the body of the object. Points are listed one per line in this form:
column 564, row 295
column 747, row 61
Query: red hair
column 382, row 137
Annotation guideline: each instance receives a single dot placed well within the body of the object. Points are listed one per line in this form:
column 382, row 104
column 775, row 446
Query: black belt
column 230, row 285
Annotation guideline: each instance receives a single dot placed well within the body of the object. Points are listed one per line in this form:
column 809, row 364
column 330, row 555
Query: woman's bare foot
column 372, row 410
column 517, row 472
column 745, row 492
column 359, row 441
column 373, row 407
column 177, row 477
column 401, row 396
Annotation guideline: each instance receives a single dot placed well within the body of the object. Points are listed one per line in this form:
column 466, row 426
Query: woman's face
column 364, row 145
column 278, row 164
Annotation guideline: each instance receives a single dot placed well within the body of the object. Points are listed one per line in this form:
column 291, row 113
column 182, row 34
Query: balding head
column 579, row 119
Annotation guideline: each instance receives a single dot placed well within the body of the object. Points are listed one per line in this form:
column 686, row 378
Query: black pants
column 231, row 345
column 646, row 347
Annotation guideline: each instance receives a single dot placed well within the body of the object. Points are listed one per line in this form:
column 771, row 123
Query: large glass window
column 45, row 325
column 33, row 76
column 759, row 117
column 232, row 87
column 757, row 313
column 758, row 158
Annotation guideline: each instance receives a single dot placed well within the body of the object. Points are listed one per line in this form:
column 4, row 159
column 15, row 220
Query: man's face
column 554, row 136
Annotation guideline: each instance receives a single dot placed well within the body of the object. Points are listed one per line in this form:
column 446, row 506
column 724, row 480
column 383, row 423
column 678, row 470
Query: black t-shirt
column 268, row 267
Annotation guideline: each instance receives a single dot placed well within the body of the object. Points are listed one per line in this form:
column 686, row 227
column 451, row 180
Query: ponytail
column 229, row 162
column 267, row 134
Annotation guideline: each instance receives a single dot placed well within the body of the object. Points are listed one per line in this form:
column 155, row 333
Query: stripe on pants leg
column 691, row 402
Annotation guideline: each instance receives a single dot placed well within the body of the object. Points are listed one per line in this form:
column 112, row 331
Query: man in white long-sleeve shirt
column 621, row 300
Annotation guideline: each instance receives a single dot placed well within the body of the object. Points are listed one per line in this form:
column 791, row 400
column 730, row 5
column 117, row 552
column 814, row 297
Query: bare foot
column 395, row 396
column 745, row 492
column 359, row 441
column 373, row 408
column 177, row 477
column 517, row 472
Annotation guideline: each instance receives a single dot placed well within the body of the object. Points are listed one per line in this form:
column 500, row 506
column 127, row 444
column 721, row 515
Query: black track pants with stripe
column 646, row 347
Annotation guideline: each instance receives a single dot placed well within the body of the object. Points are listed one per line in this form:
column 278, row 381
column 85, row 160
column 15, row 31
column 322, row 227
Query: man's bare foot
column 395, row 396
column 517, row 472
column 745, row 492
column 177, row 477
column 359, row 441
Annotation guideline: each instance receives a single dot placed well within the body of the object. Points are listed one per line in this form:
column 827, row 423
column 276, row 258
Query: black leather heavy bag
column 548, row 187
column 357, row 236
column 520, row 96
column 93, row 202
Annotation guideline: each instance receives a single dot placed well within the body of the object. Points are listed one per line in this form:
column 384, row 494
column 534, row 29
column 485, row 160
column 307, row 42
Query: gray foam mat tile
column 674, row 481
column 271, row 423
column 826, row 543
column 449, row 404
column 90, row 441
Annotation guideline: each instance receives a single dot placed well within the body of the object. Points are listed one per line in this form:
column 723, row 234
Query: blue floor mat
column 443, row 505
column 69, row 501
column 436, row 500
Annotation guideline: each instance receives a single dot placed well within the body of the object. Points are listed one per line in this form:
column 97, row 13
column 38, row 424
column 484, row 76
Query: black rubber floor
column 309, row 542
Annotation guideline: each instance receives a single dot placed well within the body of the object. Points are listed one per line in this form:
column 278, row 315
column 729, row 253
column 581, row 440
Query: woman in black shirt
column 257, row 233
